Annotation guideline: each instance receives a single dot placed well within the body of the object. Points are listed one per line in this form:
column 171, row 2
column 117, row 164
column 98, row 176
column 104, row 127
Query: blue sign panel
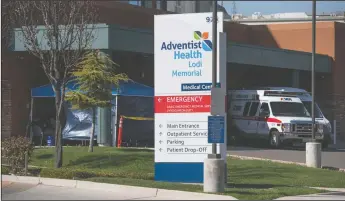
column 216, row 129
column 197, row 86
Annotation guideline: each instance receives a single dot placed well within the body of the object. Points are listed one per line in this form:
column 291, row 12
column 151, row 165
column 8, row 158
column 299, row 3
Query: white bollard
column 214, row 178
column 313, row 154
column 335, row 132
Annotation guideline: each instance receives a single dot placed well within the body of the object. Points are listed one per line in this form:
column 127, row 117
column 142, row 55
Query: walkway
column 33, row 188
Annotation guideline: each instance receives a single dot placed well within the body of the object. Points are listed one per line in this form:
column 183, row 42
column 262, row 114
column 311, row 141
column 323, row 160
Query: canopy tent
column 129, row 88
column 79, row 122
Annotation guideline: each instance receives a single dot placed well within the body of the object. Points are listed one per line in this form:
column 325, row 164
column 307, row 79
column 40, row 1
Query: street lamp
column 313, row 70
column 214, row 168
column 313, row 149
column 214, row 59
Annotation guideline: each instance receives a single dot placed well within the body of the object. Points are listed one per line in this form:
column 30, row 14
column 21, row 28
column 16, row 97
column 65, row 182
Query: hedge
column 5, row 170
column 67, row 173
column 15, row 150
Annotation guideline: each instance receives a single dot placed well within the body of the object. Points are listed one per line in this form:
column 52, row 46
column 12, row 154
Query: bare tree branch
column 58, row 33
column 6, row 24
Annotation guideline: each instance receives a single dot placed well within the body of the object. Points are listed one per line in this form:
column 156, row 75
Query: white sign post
column 183, row 80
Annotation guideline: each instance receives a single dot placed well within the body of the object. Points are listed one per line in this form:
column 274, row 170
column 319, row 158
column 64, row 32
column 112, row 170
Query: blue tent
column 79, row 121
column 129, row 88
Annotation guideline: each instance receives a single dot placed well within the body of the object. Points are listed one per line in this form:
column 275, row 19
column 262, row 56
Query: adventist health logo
column 191, row 51
column 194, row 47
column 206, row 44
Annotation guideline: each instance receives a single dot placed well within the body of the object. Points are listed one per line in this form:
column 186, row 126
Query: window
column 136, row 3
column 318, row 113
column 246, row 108
column 264, row 110
column 253, row 108
column 237, row 108
column 289, row 109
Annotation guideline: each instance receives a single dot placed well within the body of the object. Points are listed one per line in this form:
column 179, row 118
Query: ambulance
column 277, row 115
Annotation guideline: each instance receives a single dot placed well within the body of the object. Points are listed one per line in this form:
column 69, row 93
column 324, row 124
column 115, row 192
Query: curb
column 330, row 189
column 264, row 159
column 135, row 191
column 317, row 196
column 280, row 161
column 181, row 195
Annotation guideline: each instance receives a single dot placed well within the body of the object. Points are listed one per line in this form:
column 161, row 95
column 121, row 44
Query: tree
column 6, row 24
column 94, row 77
column 58, row 33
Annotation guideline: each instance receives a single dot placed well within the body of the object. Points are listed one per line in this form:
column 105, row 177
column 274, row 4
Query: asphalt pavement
column 330, row 157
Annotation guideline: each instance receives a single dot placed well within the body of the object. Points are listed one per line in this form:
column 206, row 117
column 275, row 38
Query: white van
column 277, row 115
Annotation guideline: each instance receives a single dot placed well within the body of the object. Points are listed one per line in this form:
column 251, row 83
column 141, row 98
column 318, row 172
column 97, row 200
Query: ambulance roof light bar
column 243, row 96
column 280, row 93
column 283, row 90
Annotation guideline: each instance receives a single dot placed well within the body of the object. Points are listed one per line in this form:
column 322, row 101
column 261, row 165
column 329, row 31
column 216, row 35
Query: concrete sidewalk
column 35, row 188
column 321, row 196
column 333, row 194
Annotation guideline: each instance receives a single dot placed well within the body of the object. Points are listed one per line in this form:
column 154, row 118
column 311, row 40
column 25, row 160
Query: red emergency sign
column 182, row 104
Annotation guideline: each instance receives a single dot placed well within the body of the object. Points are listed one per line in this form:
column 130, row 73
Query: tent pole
column 31, row 117
column 115, row 122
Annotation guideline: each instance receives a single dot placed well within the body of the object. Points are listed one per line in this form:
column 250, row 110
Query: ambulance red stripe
column 271, row 120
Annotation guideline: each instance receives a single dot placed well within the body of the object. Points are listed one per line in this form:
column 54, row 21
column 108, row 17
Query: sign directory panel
column 183, row 77
column 216, row 125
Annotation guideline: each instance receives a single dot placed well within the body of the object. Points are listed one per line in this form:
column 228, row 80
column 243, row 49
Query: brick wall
column 237, row 32
column 297, row 37
column 6, row 103
column 20, row 72
column 339, row 75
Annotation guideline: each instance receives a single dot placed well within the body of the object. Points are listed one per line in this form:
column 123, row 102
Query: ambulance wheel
column 274, row 140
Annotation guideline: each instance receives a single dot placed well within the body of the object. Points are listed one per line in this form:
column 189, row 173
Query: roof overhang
column 275, row 57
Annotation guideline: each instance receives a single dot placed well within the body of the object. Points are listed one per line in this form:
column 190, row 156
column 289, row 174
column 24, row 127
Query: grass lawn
column 248, row 179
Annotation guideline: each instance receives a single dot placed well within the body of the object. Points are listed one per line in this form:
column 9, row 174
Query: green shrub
column 67, row 173
column 60, row 173
column 5, row 170
column 14, row 150
column 83, row 174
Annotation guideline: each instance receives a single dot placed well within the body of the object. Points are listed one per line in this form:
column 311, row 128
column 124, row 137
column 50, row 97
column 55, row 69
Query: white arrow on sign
column 159, row 99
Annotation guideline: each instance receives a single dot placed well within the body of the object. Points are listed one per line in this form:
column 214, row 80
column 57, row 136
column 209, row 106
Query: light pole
column 313, row 149
column 214, row 59
column 214, row 168
column 313, row 71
